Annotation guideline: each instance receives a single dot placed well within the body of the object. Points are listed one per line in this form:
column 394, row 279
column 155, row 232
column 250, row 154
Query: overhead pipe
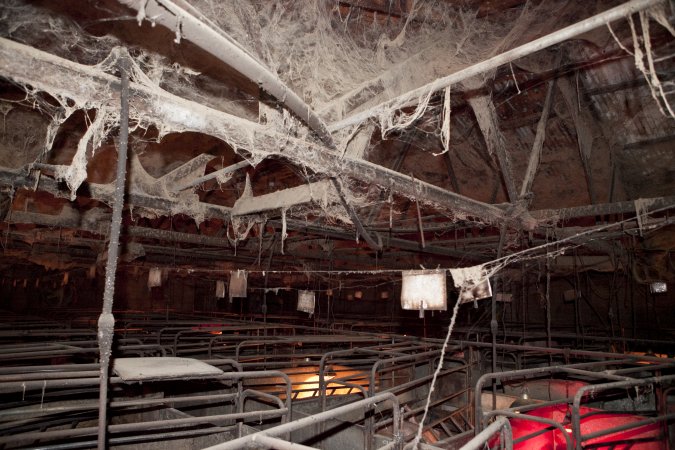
column 106, row 321
column 572, row 31
column 192, row 25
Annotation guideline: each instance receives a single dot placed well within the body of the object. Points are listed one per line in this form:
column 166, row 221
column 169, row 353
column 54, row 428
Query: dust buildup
column 339, row 59
column 336, row 59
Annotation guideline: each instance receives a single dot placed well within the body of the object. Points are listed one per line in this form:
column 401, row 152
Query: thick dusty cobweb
column 340, row 60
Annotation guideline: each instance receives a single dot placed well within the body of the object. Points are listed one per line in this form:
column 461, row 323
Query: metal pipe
column 367, row 403
column 478, row 442
column 412, row 97
column 145, row 437
column 20, row 386
column 576, row 417
column 559, row 351
column 106, row 321
column 197, row 28
column 494, row 327
column 419, row 409
column 250, row 393
column 272, row 442
column 47, row 376
column 478, row 420
column 374, row 370
column 142, row 426
column 628, row 426
column 263, row 374
column 84, row 406
column 553, row 423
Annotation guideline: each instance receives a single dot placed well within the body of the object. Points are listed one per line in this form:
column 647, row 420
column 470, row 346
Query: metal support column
column 106, row 321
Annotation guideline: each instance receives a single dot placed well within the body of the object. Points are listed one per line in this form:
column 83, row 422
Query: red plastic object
column 645, row 437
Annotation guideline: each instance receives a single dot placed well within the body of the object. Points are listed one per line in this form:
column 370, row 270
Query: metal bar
column 416, row 357
column 576, row 417
column 142, row 426
column 197, row 28
column 517, row 415
column 364, row 404
column 106, row 321
column 50, row 368
column 479, row 441
column 145, row 437
column 494, row 326
column 402, row 244
column 628, row 426
column 562, row 351
column 277, row 443
column 478, row 422
column 411, row 97
column 83, row 406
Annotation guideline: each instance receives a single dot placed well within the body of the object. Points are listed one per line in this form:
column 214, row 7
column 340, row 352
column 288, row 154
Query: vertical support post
column 106, row 321
column 548, row 307
column 493, row 321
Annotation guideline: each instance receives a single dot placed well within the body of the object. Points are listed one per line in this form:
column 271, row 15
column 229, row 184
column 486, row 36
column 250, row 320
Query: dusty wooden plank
column 535, row 154
column 486, row 115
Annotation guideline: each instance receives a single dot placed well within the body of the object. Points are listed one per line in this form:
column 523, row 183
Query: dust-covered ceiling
column 334, row 135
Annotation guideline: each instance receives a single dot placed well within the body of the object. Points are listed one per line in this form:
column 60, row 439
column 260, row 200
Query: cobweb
column 339, row 59
column 325, row 52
